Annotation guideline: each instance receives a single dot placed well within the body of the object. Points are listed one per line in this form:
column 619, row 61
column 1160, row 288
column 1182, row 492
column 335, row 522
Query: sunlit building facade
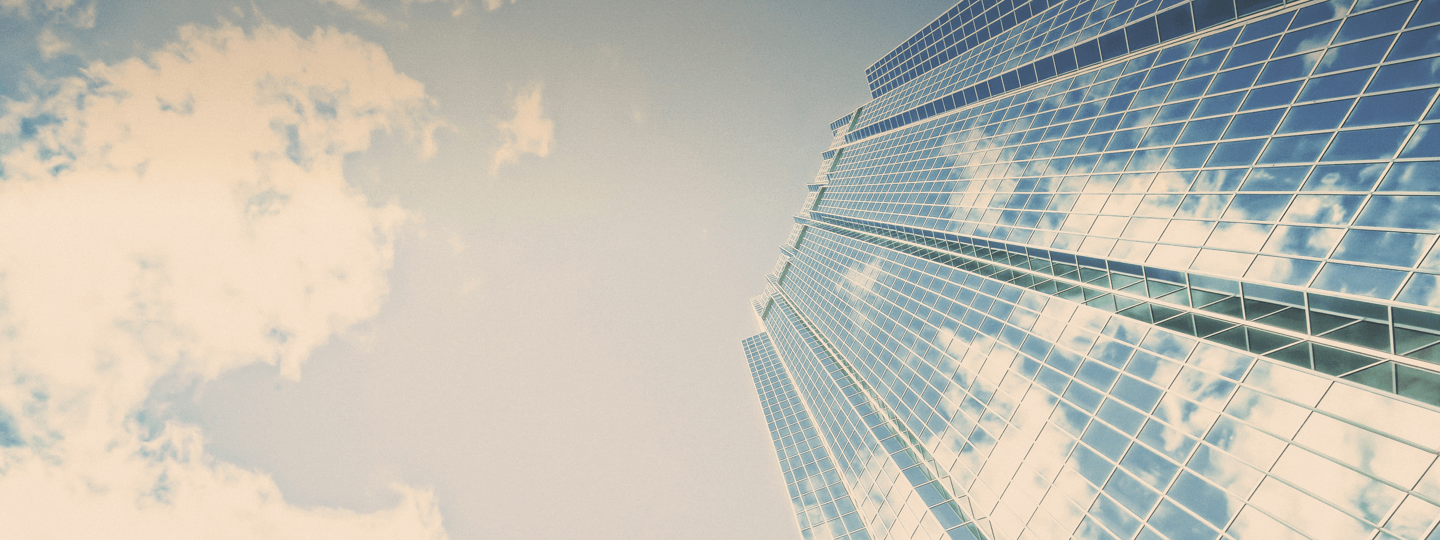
column 1121, row 269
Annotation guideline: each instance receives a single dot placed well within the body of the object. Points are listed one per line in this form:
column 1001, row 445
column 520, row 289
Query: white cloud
column 459, row 6
column 492, row 5
column 359, row 9
column 50, row 44
column 56, row 9
column 528, row 132
column 84, row 17
column 185, row 214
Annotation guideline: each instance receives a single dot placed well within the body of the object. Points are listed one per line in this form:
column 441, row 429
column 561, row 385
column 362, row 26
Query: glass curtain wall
column 1121, row 270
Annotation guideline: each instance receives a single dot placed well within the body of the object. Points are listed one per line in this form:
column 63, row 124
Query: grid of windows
column 900, row 493
column 1125, row 430
column 966, row 25
column 1162, row 160
column 1183, row 290
column 1257, row 318
column 815, row 490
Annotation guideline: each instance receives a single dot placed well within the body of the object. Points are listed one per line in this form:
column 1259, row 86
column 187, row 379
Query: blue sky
column 367, row 268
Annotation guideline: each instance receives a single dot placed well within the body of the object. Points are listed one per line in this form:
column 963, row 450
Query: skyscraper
column 1120, row 269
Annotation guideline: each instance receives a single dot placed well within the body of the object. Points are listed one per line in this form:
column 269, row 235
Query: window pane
column 1381, row 247
column 1390, row 108
column 1368, row 144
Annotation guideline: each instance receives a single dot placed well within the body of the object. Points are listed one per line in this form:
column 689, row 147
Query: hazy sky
column 357, row 269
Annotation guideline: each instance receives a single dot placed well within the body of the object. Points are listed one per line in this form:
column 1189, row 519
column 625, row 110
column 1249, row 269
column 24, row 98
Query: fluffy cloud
column 528, row 132
column 50, row 44
column 185, row 214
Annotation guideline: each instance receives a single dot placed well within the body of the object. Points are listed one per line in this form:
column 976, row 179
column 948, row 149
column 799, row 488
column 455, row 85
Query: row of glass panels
column 822, row 506
column 1243, row 308
column 994, row 135
column 826, row 284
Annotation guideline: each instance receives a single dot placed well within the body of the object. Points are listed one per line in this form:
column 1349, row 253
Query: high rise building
column 1115, row 269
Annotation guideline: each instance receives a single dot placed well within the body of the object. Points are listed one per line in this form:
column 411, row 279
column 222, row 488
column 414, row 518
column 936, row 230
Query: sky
column 467, row 269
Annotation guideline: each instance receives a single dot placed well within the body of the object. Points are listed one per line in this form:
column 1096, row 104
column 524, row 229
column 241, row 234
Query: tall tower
column 1121, row 269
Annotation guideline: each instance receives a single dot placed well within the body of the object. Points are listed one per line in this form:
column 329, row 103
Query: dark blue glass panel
column 1161, row 135
column 1142, row 34
column 1235, row 153
column 1428, row 12
column 1246, row 7
column 1154, row 95
column 1425, row 144
column 1203, row 64
column 1366, row 144
column 1139, row 118
column 1045, row 68
column 1309, row 39
column 1354, row 55
column 1234, row 79
column 1188, row 157
column 1122, row 103
column 1406, row 75
column 1125, row 140
column 1095, row 143
column 1112, row 45
column 1362, row 6
column 1027, row 75
column 1175, row 53
column 1204, row 130
column 1128, row 83
column 1314, row 117
column 1144, row 10
column 1214, row 105
column 1270, row 96
column 1415, row 176
column 1269, row 26
column 1299, row 149
column 1222, row 40
column 1416, row 43
column 1401, row 212
column 1163, row 74
column 1064, row 61
column 1293, row 67
column 1390, row 108
column 1106, row 123
column 1087, row 53
column 1374, row 23
column 1344, row 84
column 1175, row 111
column 1212, row 12
column 1251, row 52
column 1188, row 88
column 1254, row 124
column 1322, row 12
column 1011, row 79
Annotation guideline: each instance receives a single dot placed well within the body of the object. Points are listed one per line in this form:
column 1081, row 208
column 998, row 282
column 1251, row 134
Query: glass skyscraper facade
column 1121, row 269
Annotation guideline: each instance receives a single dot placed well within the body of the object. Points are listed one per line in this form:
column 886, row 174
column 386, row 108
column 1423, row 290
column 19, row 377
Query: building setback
column 1121, row 269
